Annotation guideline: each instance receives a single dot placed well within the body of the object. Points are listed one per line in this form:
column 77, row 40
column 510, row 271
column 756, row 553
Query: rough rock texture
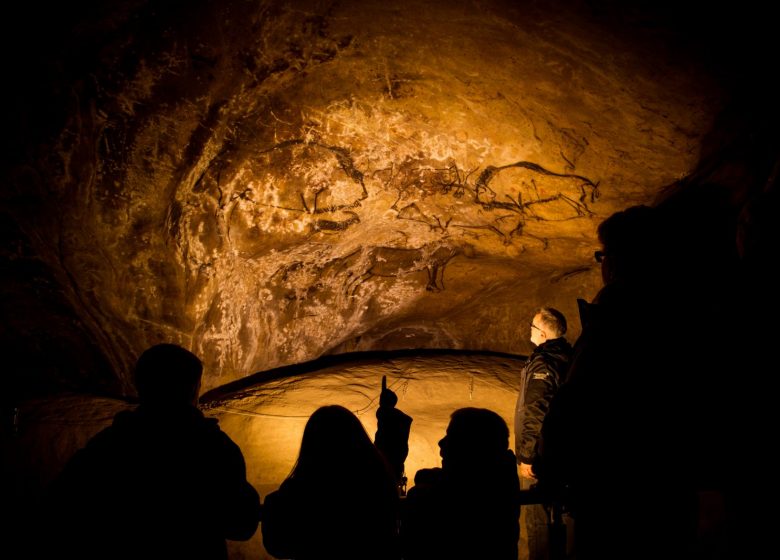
column 269, row 182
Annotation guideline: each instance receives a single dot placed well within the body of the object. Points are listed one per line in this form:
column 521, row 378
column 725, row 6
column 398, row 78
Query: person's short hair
column 167, row 374
column 477, row 430
column 554, row 320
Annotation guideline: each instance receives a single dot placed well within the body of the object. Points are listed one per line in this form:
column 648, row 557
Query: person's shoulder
column 211, row 430
column 104, row 449
column 429, row 493
column 205, row 431
column 559, row 347
column 125, row 425
column 211, row 425
column 272, row 498
column 539, row 359
column 288, row 493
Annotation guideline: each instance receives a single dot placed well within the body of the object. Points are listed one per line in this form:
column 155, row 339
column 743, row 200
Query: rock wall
column 269, row 182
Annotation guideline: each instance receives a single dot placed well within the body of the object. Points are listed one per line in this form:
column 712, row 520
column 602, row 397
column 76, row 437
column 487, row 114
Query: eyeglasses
column 535, row 327
column 599, row 256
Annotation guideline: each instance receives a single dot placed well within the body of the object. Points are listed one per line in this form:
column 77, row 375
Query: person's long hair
column 343, row 491
column 337, row 453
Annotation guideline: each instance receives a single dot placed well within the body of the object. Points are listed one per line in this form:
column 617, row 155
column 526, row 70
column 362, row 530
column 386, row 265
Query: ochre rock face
column 266, row 183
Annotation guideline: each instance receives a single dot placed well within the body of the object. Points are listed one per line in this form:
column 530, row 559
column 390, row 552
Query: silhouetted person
column 469, row 507
column 162, row 481
column 539, row 381
column 392, row 434
column 751, row 416
column 339, row 501
column 617, row 435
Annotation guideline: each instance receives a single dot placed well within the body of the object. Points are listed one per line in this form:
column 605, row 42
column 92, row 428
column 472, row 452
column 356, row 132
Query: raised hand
column 387, row 398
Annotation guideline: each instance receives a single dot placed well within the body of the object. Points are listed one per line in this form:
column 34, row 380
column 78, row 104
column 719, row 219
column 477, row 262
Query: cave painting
column 300, row 188
column 291, row 190
column 315, row 178
column 393, row 262
column 499, row 202
column 309, row 210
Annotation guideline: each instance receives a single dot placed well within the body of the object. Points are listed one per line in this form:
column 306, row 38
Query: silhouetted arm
column 393, row 426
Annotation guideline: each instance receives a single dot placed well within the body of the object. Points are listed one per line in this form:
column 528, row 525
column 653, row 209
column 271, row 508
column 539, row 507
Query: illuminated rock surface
column 269, row 182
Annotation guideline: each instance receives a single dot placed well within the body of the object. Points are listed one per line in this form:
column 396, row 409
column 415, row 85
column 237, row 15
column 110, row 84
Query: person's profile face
column 443, row 447
column 448, row 445
column 605, row 260
column 453, row 445
column 538, row 333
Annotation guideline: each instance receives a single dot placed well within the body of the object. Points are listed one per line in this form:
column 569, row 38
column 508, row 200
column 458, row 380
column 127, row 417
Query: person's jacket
column 542, row 375
column 155, row 484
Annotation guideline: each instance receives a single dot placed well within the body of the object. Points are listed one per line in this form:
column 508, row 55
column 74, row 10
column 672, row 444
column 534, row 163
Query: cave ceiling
column 269, row 182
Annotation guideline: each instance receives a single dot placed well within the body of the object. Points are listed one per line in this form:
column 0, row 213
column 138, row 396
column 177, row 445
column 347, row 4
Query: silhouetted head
column 475, row 437
column 547, row 324
column 632, row 242
column 169, row 375
column 334, row 441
